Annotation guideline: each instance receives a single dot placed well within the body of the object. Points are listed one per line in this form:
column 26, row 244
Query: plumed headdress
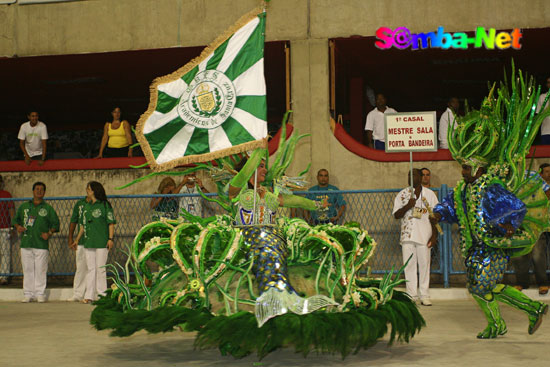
column 500, row 134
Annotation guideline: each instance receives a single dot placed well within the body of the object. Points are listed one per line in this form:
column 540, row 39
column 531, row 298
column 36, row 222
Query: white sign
column 410, row 132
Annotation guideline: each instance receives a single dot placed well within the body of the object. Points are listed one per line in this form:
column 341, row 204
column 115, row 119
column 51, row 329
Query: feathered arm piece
column 295, row 201
column 285, row 184
column 247, row 171
column 284, row 155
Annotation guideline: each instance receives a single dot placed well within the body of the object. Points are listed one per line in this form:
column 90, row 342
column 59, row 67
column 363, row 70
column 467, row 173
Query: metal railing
column 372, row 209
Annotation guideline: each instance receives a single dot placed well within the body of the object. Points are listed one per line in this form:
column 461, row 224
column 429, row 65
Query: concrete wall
column 106, row 25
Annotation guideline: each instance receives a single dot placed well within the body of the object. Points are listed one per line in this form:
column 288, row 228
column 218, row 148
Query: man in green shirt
column 77, row 220
column 36, row 221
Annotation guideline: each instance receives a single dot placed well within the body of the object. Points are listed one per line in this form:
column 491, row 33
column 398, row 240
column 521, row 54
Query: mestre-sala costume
column 499, row 206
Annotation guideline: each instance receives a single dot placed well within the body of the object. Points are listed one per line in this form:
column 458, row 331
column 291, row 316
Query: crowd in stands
column 67, row 144
column 374, row 124
column 116, row 137
column 61, row 145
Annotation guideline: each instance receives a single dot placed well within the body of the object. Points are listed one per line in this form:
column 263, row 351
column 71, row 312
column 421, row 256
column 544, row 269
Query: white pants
column 96, row 276
column 35, row 270
column 79, row 284
column 420, row 261
column 5, row 252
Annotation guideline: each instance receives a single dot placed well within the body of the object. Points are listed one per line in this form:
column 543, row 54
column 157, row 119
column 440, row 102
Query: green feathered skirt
column 238, row 335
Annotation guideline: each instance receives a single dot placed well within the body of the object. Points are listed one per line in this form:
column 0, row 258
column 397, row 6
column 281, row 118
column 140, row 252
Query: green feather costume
column 210, row 277
column 498, row 137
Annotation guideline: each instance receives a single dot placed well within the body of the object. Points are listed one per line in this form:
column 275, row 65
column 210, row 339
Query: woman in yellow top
column 117, row 137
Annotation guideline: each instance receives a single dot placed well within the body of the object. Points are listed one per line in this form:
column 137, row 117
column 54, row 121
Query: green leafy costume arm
column 293, row 201
column 247, row 171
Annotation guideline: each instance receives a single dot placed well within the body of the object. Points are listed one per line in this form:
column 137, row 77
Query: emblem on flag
column 208, row 101
column 213, row 106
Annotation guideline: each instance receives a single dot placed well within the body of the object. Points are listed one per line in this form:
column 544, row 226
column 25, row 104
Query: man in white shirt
column 418, row 235
column 33, row 136
column 375, row 123
column 447, row 120
column 545, row 126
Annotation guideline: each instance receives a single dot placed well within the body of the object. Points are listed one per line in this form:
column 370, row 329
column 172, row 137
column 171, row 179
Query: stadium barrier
column 372, row 209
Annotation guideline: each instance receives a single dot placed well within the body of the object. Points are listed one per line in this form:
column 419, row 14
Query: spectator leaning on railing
column 337, row 205
column 117, row 137
column 36, row 221
column 33, row 136
column 426, row 177
column 446, row 121
column 545, row 126
column 375, row 123
column 7, row 212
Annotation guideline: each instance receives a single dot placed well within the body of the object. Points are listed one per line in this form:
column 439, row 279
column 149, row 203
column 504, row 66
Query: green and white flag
column 213, row 106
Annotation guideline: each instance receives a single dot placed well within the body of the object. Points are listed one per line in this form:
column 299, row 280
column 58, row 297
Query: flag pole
column 411, row 171
column 254, row 220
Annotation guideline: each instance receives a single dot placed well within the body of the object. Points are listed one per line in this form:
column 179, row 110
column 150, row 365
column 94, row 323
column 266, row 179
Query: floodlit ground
column 58, row 334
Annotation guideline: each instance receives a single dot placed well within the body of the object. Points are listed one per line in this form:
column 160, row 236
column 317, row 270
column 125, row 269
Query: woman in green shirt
column 98, row 231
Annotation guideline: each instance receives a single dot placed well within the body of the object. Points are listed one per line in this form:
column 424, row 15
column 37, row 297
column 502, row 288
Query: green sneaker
column 535, row 310
column 535, row 319
column 496, row 325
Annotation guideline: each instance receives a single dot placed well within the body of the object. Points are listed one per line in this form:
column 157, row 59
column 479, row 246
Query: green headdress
column 500, row 134
column 475, row 135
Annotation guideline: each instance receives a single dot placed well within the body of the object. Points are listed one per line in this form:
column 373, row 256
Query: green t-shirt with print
column 97, row 218
column 78, row 218
column 36, row 219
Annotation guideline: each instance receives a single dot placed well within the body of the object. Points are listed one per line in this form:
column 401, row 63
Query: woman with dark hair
column 98, row 231
column 117, row 137
column 166, row 206
column 255, row 214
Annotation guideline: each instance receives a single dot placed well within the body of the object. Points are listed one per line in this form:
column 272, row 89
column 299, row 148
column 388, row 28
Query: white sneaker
column 74, row 299
column 27, row 300
column 41, row 299
column 426, row 302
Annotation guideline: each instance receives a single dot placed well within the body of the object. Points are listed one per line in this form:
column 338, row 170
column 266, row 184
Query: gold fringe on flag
column 153, row 90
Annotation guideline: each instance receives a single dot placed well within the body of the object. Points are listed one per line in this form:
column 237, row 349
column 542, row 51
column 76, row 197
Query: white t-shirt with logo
column 33, row 137
column 375, row 122
column 415, row 230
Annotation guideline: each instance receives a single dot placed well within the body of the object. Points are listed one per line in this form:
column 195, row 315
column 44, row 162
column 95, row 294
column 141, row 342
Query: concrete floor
column 58, row 334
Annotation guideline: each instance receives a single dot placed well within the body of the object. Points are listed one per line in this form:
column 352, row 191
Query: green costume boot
column 534, row 309
column 496, row 325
